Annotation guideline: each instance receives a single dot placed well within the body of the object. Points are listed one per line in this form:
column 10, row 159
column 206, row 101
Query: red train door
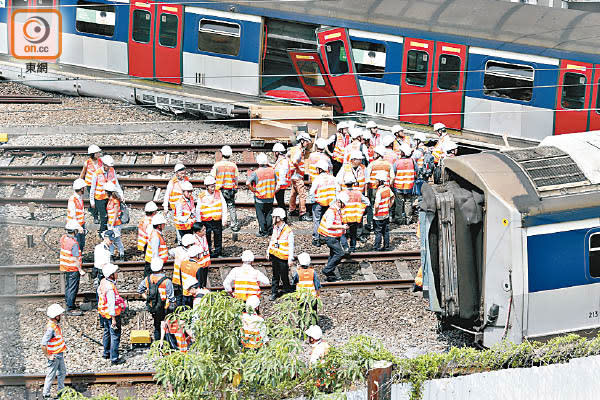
column 595, row 100
column 448, row 83
column 336, row 56
column 573, row 97
column 141, row 38
column 313, row 77
column 415, row 86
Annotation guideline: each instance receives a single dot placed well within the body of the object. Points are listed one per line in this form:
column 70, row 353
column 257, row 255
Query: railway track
column 117, row 377
column 141, row 148
column 62, row 168
column 29, row 100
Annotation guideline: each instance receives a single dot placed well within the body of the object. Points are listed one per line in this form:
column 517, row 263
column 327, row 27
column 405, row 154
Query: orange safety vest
column 188, row 272
column 246, row 284
column 325, row 193
column 187, row 208
column 358, row 174
column 79, row 216
column 101, row 180
column 251, row 338
column 226, row 175
column 354, row 146
column 312, row 160
column 297, row 160
column 182, row 339
column 405, row 174
column 390, row 156
column 163, row 251
column 104, row 287
column 306, row 280
column 419, row 277
column 282, row 169
column 379, row 165
column 280, row 246
column 437, row 149
column 113, row 209
column 162, row 288
column 176, row 192
column 211, row 206
column 329, row 229
column 418, row 155
column 180, row 256
column 91, row 169
column 56, row 345
column 265, row 187
column 353, row 212
column 143, row 227
column 68, row 262
column 341, row 141
column 396, row 144
column 382, row 208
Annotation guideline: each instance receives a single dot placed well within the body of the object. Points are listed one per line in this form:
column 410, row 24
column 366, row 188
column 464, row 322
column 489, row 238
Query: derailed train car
column 511, row 241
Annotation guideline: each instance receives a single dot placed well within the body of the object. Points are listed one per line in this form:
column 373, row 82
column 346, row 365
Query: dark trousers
column 263, row 214
column 214, row 232
column 178, row 292
column 147, row 270
column 111, row 338
column 80, row 237
column 202, row 277
column 280, row 272
column 369, row 210
column 71, row 288
column 102, row 215
column 229, row 196
column 401, row 211
column 280, row 199
column 318, row 211
column 158, row 318
column 335, row 254
column 336, row 167
column 351, row 234
column 382, row 228
column 187, row 301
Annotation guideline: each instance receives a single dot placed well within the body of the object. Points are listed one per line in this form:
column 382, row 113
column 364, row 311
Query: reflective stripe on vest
column 382, row 208
column 188, row 272
column 104, row 287
column 79, row 216
column 353, row 212
column 354, row 146
column 90, row 169
column 331, row 229
column 280, row 247
column 68, row 262
column 225, row 175
column 358, row 174
column 246, row 284
column 418, row 155
column 297, row 152
column 265, row 187
column 113, row 209
column 180, row 256
column 251, row 338
column 143, row 228
column 306, row 280
column 177, row 331
column 176, row 191
column 163, row 251
column 341, row 141
column 57, row 344
column 101, row 180
column 283, row 173
column 162, row 289
column 211, row 207
column 379, row 165
column 187, row 208
column 326, row 190
column 437, row 149
column 311, row 163
column 405, row 174
column 390, row 156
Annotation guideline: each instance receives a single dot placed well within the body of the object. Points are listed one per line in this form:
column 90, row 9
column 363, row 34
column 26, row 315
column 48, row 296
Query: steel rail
column 141, row 148
column 29, row 100
column 82, row 377
column 63, row 202
column 204, row 167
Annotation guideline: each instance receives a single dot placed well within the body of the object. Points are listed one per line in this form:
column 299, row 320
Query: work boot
column 235, row 228
column 331, row 278
column 273, row 297
column 316, row 242
column 118, row 361
column 294, row 213
column 305, row 217
column 74, row 313
column 121, row 257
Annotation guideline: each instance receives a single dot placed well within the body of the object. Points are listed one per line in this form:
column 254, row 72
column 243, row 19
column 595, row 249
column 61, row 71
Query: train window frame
column 565, row 87
column 311, row 74
column 595, row 252
column 237, row 35
column 149, row 31
column 160, row 29
column 337, row 72
column 378, row 65
column 457, row 72
column 505, row 89
column 409, row 74
column 90, row 5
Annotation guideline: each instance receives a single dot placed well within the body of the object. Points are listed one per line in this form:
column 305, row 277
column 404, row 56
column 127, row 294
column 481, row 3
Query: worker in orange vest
column 375, row 135
column 296, row 157
column 113, row 211
column 405, row 173
column 330, row 231
column 243, row 282
column 342, row 139
column 110, row 307
column 174, row 191
column 283, row 175
column 195, row 267
column 389, row 155
column 185, row 211
column 89, row 168
column 378, row 164
column 212, row 211
column 316, row 156
column 157, row 247
column 352, row 214
column 381, row 211
column 98, row 196
column 306, row 277
column 355, row 168
column 254, row 329
column 53, row 347
column 76, row 212
column 195, row 291
column 323, row 191
column 165, row 290
column 226, row 175
column 176, row 334
column 262, row 183
column 354, row 145
column 281, row 253
column 399, row 137
column 70, row 264
column 179, row 255
column 145, row 226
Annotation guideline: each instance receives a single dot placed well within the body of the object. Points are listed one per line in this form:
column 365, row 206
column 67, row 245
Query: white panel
column 563, row 226
column 537, row 124
column 244, row 77
column 477, row 116
column 375, row 36
column 223, row 14
column 506, row 118
column 106, row 55
column 515, row 56
column 192, row 63
column 118, row 57
column 3, row 38
column 377, row 92
column 218, row 72
column 72, row 52
column 95, row 53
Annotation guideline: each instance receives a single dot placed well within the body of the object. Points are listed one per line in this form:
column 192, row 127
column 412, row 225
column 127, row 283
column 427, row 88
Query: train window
column 508, row 81
column 594, row 253
column 336, row 58
column 449, row 72
column 44, row 3
column 19, row 4
column 95, row 18
column 168, row 30
column 219, row 37
column 142, row 26
column 311, row 73
column 369, row 58
column 417, row 65
column 573, row 91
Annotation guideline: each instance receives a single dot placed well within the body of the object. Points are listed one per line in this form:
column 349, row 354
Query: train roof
column 499, row 21
column 559, row 179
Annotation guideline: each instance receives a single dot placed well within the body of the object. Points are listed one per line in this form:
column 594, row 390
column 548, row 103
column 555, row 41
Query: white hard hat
column 110, row 186
column 397, row 128
column 349, row 179
column 194, row 250
column 387, row 140
column 54, row 310
column 278, row 212
column 150, row 207
column 261, row 159
column 304, row 258
column 79, row 184
column 108, row 160
column 314, row 332
column 381, row 175
column 187, row 186
column 188, row 239
column 356, row 155
column 420, row 136
column 156, row 264
column 342, row 125
column 247, row 256
column 278, row 147
column 371, row 124
column 438, row 125
column 380, row 150
column 72, row 225
column 109, row 269
column 189, row 283
column 351, row 124
column 178, row 167
column 253, row 302
column 449, row 146
column 209, row 180
column 226, row 151
column 343, row 197
column 303, row 136
column 367, row 134
column 158, row 219
column 321, row 143
column 93, row 149
column 405, row 148
column 355, row 132
column 322, row 164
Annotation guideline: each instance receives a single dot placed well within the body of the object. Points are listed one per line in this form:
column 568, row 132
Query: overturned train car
column 511, row 241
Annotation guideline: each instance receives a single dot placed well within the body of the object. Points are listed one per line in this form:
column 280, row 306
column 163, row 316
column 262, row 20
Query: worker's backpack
column 428, row 166
column 154, row 303
column 124, row 217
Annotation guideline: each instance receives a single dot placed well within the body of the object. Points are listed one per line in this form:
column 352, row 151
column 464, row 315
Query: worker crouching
column 53, row 346
column 110, row 307
column 320, row 348
column 280, row 253
column 243, row 282
column 254, row 329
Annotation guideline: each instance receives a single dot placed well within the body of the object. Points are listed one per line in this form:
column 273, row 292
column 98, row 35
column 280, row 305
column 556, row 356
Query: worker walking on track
column 306, row 277
column 157, row 247
column 145, row 226
column 179, row 255
column 405, row 173
column 226, row 175
column 158, row 292
column 296, row 157
column 174, row 192
column 70, row 264
column 323, row 190
column 102, row 256
column 243, row 282
column 378, row 164
column 98, row 195
column 113, row 211
column 331, row 230
column 320, row 348
column 76, row 212
column 195, row 267
column 283, row 175
column 254, row 328
column 352, row 214
column 281, row 253
column 185, row 211
column 381, row 211
column 89, row 168
column 262, row 183
column 110, row 307
column 342, row 139
column 53, row 347
column 212, row 211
